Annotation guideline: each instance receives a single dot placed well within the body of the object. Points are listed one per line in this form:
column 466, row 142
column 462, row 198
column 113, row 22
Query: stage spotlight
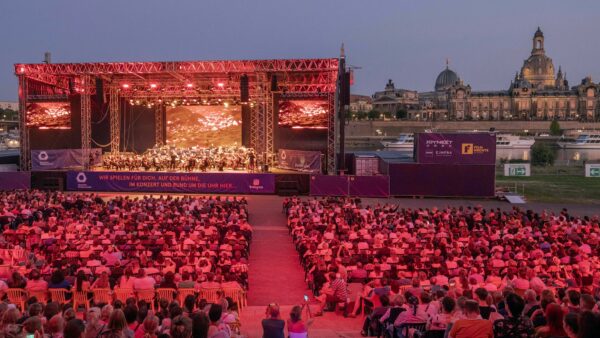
column 189, row 85
column 125, row 86
column 220, row 84
column 226, row 104
column 153, row 85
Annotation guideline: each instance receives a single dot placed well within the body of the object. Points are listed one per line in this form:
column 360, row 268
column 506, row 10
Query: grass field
column 555, row 185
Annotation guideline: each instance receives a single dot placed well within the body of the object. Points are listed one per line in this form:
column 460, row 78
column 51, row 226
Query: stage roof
column 182, row 78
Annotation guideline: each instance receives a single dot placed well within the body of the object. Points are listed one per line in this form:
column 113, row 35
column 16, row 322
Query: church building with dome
column 537, row 92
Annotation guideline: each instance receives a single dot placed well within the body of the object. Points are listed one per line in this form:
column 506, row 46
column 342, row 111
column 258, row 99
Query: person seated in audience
column 472, row 325
column 296, row 327
column 554, row 322
column 102, row 282
column 35, row 283
column 516, row 324
column 58, row 281
column 416, row 312
column 440, row 321
column 273, row 325
column 371, row 323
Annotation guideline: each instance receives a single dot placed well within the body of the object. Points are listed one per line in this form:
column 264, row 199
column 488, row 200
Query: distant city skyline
column 408, row 42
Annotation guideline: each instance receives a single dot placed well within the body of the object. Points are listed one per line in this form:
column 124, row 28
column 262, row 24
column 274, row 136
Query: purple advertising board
column 324, row 185
column 12, row 180
column 222, row 183
column 442, row 180
column 300, row 160
column 64, row 158
column 456, row 148
column 369, row 186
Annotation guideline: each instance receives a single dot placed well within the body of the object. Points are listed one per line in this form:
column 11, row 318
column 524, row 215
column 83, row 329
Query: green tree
column 401, row 114
column 361, row 115
column 373, row 115
column 555, row 128
column 542, row 155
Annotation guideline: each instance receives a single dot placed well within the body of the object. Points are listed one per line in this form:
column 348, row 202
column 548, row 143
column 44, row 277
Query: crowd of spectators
column 162, row 158
column 129, row 247
column 451, row 272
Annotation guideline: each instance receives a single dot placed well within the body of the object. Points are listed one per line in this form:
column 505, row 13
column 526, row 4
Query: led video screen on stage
column 303, row 114
column 204, row 126
column 49, row 115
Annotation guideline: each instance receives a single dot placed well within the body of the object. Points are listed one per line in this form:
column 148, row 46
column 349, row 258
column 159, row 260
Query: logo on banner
column 466, row 149
column 471, row 149
column 283, row 155
column 43, row 156
column 81, row 178
column 256, row 184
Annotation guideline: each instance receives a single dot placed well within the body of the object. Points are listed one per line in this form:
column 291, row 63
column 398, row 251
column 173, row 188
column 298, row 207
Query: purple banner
column 300, row 160
column 324, row 185
column 455, row 148
column 369, row 186
column 11, row 180
column 228, row 183
column 442, row 180
column 64, row 158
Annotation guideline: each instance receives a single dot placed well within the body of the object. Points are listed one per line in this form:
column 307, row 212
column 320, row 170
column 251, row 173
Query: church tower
column 538, row 69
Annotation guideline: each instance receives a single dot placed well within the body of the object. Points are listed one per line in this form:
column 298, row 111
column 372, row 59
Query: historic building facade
column 535, row 93
column 392, row 99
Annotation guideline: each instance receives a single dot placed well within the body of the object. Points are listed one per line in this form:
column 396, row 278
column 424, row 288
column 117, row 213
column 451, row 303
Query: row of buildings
column 537, row 92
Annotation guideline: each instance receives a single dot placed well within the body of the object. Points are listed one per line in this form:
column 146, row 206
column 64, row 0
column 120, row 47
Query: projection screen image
column 49, row 115
column 204, row 126
column 303, row 114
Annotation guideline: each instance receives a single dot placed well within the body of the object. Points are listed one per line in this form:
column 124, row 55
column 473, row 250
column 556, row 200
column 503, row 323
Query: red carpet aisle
column 275, row 271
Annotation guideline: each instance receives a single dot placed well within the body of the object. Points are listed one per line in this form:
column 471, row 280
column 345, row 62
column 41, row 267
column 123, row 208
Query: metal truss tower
column 115, row 119
column 25, row 157
column 86, row 116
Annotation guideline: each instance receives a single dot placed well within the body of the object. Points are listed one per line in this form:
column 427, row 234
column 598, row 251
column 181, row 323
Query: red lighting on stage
column 125, row 86
column 22, row 70
column 153, row 85
column 189, row 85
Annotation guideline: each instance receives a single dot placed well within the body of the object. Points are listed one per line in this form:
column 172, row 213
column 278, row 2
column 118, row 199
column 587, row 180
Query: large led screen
column 303, row 114
column 49, row 115
column 204, row 126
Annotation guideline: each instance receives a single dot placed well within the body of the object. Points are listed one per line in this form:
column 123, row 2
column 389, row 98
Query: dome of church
column 446, row 79
column 538, row 69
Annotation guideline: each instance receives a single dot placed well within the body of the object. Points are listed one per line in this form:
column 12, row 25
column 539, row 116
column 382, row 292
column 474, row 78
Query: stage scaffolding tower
column 159, row 124
column 25, row 157
column 86, row 116
column 115, row 119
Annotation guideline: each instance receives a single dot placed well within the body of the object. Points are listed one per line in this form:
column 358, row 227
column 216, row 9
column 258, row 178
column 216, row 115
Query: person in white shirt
column 143, row 282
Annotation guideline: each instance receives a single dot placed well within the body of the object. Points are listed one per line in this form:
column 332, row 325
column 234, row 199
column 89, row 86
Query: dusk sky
column 405, row 40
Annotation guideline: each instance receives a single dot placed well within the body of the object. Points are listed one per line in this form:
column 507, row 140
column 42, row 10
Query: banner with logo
column 11, row 180
column 64, row 158
column 227, row 183
column 300, row 160
column 456, row 148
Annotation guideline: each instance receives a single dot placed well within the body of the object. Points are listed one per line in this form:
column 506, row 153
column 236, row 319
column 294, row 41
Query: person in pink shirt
column 35, row 282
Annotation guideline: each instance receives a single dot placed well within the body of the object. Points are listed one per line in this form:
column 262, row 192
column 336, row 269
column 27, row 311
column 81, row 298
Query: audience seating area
column 436, row 268
column 170, row 255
